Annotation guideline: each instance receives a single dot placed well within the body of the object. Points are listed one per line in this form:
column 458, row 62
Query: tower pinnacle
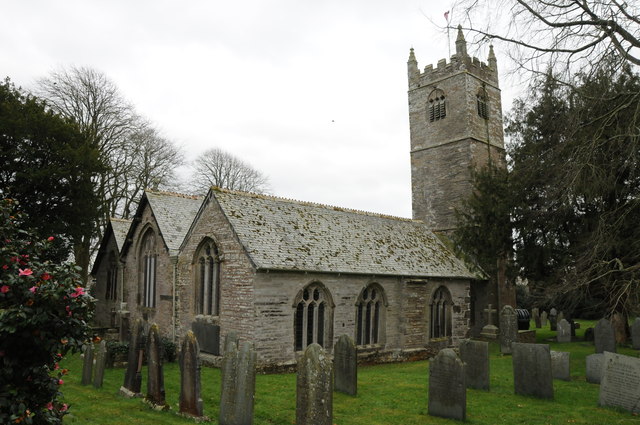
column 461, row 44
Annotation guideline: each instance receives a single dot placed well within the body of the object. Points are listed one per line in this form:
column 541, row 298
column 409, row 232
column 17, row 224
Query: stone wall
column 103, row 311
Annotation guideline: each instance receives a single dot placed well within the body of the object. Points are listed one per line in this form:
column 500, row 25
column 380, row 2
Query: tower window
column 437, row 106
column 481, row 101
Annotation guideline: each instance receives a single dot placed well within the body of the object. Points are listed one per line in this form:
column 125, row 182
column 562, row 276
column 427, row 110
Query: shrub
column 169, row 349
column 43, row 315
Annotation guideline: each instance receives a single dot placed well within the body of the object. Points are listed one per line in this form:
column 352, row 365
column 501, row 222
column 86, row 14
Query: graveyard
column 386, row 394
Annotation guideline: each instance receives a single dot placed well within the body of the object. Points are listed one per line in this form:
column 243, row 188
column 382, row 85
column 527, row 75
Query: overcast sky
column 311, row 93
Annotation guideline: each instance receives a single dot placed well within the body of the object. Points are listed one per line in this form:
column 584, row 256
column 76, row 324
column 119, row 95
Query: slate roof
column 281, row 234
column 120, row 228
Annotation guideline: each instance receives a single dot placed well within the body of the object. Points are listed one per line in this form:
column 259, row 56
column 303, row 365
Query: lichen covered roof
column 174, row 213
column 281, row 234
column 120, row 229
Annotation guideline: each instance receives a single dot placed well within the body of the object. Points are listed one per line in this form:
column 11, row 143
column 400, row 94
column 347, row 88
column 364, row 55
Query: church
column 283, row 274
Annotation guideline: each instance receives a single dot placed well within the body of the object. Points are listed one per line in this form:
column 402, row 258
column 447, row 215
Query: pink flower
column 68, row 310
column 50, row 238
column 60, row 382
column 79, row 291
column 33, row 289
column 64, row 407
column 4, row 289
column 45, row 276
column 25, row 272
column 50, row 406
column 5, row 267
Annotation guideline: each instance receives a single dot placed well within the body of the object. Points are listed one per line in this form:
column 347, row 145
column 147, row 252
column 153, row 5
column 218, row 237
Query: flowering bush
column 44, row 311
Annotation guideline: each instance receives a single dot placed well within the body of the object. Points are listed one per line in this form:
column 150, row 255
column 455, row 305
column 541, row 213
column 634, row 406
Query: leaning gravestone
column 508, row 329
column 543, row 319
column 620, row 386
column 532, row 373
column 560, row 365
column 345, row 365
column 314, row 388
column 553, row 319
column 594, row 368
column 238, row 383
column 133, row 375
column 101, row 364
column 604, row 337
column 447, row 388
column 635, row 334
column 536, row 317
column 155, row 377
column 475, row 356
column 87, row 366
column 190, row 399
column 564, row 331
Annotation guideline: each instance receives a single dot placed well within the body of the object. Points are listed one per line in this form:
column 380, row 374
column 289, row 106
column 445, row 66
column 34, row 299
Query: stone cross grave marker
column 345, row 365
column 635, row 334
column 594, row 367
column 508, row 329
column 238, row 383
column 604, row 337
column 620, row 386
column 155, row 376
column 543, row 319
column 564, row 331
column 553, row 319
column 447, row 387
column 190, row 398
column 314, row 388
column 536, row 317
column 490, row 330
column 475, row 356
column 101, row 364
column 560, row 365
column 532, row 374
column 133, row 375
column 87, row 365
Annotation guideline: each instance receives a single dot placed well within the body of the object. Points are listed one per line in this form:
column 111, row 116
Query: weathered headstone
column 604, row 337
column 87, row 366
column 536, row 317
column 475, row 356
column 560, row 317
column 238, row 383
column 594, row 367
column 101, row 364
column 345, row 365
column 155, row 376
column 635, row 334
column 543, row 319
column 620, row 386
column 553, row 319
column 564, row 331
column 133, row 375
column 532, row 373
column 447, row 387
column 190, row 399
column 314, row 388
column 508, row 329
column 560, row 365
column 490, row 330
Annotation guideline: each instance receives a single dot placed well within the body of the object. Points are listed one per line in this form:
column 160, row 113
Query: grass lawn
column 387, row 394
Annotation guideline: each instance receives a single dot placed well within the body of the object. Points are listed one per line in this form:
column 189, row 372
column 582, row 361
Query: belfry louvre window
column 208, row 279
column 441, row 313
column 481, row 101
column 369, row 316
column 148, row 258
column 437, row 106
column 311, row 317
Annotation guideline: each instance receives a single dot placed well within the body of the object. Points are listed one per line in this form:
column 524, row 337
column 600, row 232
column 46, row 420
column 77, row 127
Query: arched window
column 481, row 101
column 208, row 279
column 437, row 107
column 312, row 319
column 148, row 259
column 111, row 292
column 441, row 313
column 369, row 315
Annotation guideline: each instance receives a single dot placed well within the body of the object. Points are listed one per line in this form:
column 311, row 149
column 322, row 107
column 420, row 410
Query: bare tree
column 216, row 167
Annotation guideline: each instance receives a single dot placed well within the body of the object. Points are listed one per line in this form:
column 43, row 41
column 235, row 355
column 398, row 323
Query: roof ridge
column 122, row 220
column 176, row 194
column 312, row 204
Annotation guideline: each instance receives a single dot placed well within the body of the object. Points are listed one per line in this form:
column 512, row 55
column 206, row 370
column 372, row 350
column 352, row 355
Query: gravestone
column 101, row 364
column 564, row 331
column 475, row 356
column 133, row 375
column 635, row 334
column 447, row 387
column 553, row 319
column 560, row 317
column 155, row 376
column 314, row 388
column 87, row 365
column 208, row 336
column 190, row 399
column 594, row 368
column 543, row 319
column 604, row 337
column 536, row 317
column 620, row 386
column 490, row 330
column 532, row 373
column 238, row 383
column 560, row 365
column 345, row 365
column 508, row 329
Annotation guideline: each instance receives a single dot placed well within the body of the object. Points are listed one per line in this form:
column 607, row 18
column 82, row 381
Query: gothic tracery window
column 437, row 107
column 208, row 279
column 369, row 315
column 441, row 313
column 111, row 291
column 312, row 317
column 148, row 266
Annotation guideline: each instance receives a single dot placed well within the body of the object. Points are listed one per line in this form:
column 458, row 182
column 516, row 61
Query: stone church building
column 284, row 274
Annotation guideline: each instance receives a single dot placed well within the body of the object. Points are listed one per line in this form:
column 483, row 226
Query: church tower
column 455, row 118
